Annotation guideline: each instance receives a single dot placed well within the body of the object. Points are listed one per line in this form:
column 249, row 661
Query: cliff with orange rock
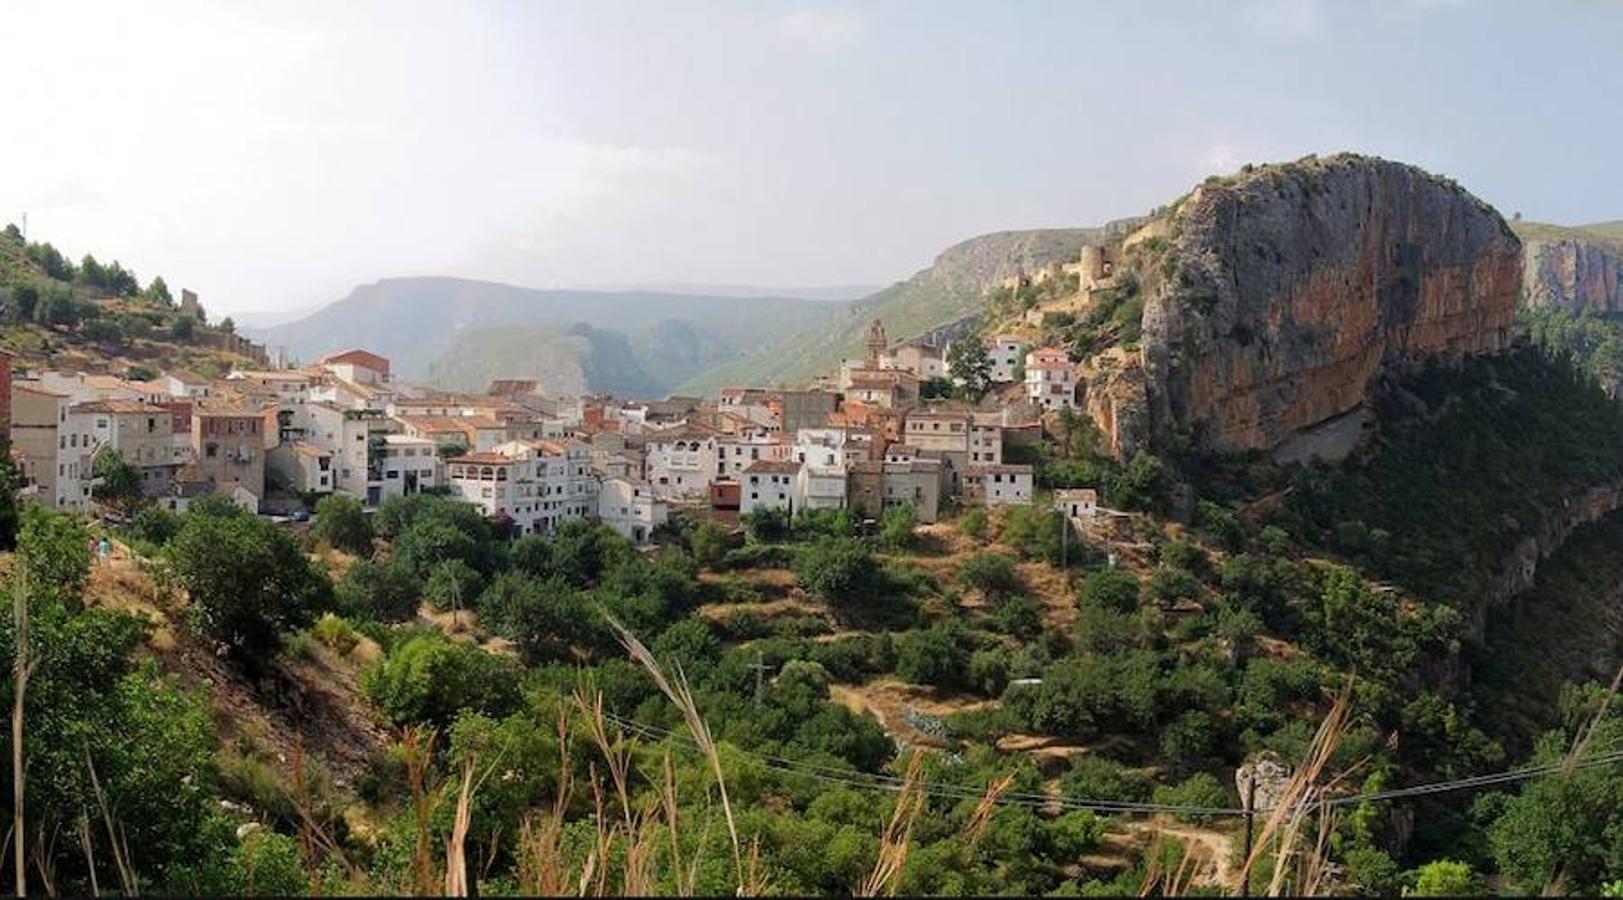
column 1276, row 298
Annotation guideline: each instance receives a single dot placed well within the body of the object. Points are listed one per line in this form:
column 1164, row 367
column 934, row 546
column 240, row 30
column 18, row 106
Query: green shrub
column 430, row 680
column 992, row 574
column 1113, row 589
column 1199, row 790
column 936, row 656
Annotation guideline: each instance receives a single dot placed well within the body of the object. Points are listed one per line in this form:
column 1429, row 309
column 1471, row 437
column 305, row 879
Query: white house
column 998, row 485
column 681, row 462
column 735, row 452
column 630, row 508
column 1050, row 379
column 1005, row 352
column 768, row 485
column 409, row 464
column 1077, row 503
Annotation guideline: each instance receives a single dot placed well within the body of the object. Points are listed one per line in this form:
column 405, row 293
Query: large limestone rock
column 1575, row 273
column 1281, row 294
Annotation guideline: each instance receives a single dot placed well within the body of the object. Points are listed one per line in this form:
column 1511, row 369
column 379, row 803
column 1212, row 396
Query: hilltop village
column 275, row 439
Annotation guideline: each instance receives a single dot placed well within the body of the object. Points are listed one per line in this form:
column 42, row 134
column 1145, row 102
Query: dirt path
column 889, row 700
column 1215, row 850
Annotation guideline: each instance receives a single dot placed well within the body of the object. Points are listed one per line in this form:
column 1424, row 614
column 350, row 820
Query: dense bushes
column 429, row 679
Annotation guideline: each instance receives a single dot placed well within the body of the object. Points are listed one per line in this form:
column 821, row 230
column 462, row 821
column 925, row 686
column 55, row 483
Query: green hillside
column 570, row 361
column 949, row 290
column 1605, row 233
column 94, row 315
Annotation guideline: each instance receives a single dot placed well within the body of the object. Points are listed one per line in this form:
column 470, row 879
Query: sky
column 273, row 156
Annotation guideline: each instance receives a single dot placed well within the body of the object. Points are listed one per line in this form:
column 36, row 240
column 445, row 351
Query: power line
column 893, row 784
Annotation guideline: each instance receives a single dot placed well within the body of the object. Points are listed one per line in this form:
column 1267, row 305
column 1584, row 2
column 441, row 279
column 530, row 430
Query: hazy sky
column 272, row 156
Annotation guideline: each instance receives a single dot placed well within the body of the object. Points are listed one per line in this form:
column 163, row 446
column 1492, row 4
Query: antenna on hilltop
column 25, row 226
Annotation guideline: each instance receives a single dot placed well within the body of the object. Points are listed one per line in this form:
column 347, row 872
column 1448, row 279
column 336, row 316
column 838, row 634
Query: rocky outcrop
column 1282, row 293
column 1573, row 271
column 1518, row 572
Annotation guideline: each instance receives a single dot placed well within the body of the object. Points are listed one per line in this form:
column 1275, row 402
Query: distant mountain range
column 458, row 332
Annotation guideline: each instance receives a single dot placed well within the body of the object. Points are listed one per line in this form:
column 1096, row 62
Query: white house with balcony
column 681, row 462
column 1050, row 379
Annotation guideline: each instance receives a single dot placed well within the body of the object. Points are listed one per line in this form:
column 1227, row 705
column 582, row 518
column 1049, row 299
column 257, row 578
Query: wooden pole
column 1250, row 818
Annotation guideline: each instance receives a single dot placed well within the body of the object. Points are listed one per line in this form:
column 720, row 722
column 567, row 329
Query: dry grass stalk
column 456, row 858
column 616, row 751
column 1158, row 881
column 982, row 816
column 1300, row 797
column 1569, row 764
column 418, row 751
column 115, row 834
column 1585, row 735
column 540, row 867
column 307, row 840
column 893, row 843
column 678, row 692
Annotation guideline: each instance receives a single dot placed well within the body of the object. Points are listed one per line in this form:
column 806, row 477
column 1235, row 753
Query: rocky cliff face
column 1574, row 271
column 1282, row 293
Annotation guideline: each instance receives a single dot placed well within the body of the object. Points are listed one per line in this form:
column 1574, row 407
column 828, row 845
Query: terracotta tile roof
column 772, row 467
column 117, row 406
column 485, row 459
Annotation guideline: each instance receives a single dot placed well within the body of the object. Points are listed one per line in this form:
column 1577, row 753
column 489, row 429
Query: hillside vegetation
column 951, row 289
column 94, row 315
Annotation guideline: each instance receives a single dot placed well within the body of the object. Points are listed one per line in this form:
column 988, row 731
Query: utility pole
column 1250, row 818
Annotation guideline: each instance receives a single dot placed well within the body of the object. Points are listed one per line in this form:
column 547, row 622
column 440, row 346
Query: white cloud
column 825, row 27
column 1291, row 18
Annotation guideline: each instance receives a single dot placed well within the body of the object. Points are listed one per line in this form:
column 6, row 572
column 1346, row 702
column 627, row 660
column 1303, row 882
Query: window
column 211, row 450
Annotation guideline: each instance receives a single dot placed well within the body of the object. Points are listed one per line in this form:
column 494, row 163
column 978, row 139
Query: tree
column 184, row 326
column 709, row 545
column 1142, row 485
column 1446, row 878
column 992, row 574
column 24, row 301
column 386, row 592
column 158, row 292
column 247, row 579
column 10, row 481
column 898, row 524
column 970, row 365
column 547, row 619
column 228, row 325
column 453, row 585
column 55, row 552
column 343, row 524
column 766, row 525
column 1113, row 589
column 974, row 522
column 430, row 680
column 935, row 656
column 840, row 570
column 429, row 543
column 119, row 482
